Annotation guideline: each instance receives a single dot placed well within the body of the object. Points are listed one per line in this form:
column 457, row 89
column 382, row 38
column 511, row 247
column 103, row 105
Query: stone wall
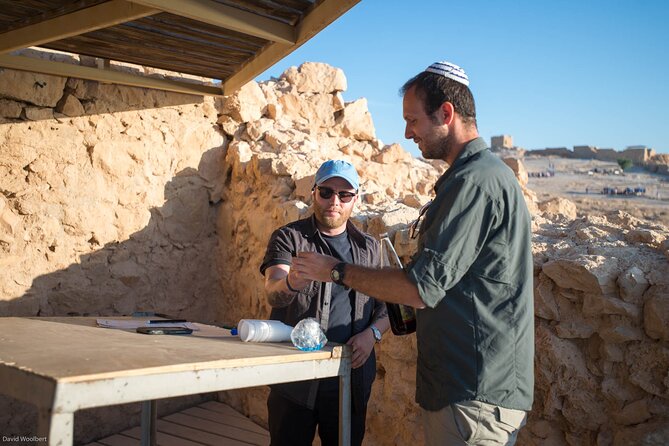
column 138, row 202
column 553, row 151
column 109, row 198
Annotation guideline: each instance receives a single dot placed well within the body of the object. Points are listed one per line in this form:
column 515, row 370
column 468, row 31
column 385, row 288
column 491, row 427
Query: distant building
column 585, row 152
column 638, row 154
column 608, row 155
column 501, row 142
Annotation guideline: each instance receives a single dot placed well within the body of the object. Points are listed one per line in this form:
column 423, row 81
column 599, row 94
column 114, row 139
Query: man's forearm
column 280, row 299
column 387, row 284
column 277, row 292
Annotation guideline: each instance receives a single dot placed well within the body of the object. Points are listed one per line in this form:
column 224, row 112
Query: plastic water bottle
column 308, row 335
column 256, row 330
column 402, row 317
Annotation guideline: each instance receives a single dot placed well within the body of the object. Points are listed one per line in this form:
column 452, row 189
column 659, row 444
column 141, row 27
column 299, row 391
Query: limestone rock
column 594, row 274
column 358, row 148
column 635, row 412
column 545, row 305
column 247, row 104
column 643, row 235
column 38, row 113
column 632, row 284
column 39, row 89
column 338, row 102
column 356, row 121
column 413, row 200
column 10, row 109
column 558, row 207
column 303, row 187
column 9, row 222
column 392, row 154
column 317, row 110
column 69, row 105
column 392, row 220
column 617, row 330
column 653, row 433
column 649, row 367
column 230, row 126
column 518, row 169
column 597, row 304
column 656, row 316
column 314, row 77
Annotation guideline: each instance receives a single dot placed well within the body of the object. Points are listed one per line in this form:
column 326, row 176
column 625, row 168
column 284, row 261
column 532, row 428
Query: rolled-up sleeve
column 280, row 250
column 451, row 239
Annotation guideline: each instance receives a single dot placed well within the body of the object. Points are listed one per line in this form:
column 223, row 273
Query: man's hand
column 362, row 345
column 312, row 266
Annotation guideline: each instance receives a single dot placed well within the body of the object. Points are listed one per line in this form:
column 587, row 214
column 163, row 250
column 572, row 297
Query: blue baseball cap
column 338, row 168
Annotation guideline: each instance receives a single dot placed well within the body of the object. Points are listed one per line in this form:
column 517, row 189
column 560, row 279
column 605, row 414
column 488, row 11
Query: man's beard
column 437, row 149
column 331, row 222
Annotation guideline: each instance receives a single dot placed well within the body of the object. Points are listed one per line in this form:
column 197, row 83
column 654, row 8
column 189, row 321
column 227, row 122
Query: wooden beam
column 227, row 17
column 324, row 13
column 79, row 22
column 108, row 76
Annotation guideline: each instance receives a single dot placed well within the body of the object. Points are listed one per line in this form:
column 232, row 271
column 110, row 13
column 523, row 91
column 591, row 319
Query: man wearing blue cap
column 346, row 316
column 470, row 279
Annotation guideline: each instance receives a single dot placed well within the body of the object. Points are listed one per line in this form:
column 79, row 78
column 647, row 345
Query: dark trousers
column 291, row 424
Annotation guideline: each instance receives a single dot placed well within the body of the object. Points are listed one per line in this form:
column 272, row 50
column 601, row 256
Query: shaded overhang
column 231, row 41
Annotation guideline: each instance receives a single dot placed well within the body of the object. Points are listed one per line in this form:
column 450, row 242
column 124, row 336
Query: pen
column 167, row 321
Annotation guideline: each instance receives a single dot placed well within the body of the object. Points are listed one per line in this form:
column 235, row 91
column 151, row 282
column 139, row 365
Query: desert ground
column 573, row 181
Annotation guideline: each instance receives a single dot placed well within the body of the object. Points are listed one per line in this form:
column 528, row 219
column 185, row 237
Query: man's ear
column 448, row 113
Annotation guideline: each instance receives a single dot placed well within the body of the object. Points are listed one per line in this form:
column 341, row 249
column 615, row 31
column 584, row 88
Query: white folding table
column 66, row 364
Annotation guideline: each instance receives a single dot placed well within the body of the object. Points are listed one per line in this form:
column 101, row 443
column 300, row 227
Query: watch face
column 334, row 275
column 337, row 273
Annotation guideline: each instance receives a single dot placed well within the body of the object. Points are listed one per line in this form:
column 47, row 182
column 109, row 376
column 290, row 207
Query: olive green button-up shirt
column 473, row 270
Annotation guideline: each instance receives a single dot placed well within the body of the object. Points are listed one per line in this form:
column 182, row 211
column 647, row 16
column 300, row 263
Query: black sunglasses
column 344, row 195
column 415, row 226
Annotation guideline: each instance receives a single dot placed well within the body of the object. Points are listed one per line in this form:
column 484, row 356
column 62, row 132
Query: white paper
column 128, row 324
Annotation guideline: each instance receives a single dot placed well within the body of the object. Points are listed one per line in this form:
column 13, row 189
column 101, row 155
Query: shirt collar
column 471, row 149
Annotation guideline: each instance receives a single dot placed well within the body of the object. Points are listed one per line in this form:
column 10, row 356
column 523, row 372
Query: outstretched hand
column 313, row 266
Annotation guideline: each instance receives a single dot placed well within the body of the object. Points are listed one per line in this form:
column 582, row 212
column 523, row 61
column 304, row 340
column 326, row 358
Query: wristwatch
column 337, row 273
column 376, row 332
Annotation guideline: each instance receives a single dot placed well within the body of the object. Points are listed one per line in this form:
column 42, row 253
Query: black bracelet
column 290, row 287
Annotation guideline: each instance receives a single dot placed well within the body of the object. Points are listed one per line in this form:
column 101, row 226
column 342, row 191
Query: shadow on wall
column 170, row 266
column 42, row 96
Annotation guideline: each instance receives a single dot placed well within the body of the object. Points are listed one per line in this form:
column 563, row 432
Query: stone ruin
column 117, row 199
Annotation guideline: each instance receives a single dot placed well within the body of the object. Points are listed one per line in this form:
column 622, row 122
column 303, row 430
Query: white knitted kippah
column 450, row 71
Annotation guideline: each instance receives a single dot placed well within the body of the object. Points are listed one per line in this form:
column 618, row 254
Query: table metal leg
column 149, row 414
column 56, row 428
column 345, row 409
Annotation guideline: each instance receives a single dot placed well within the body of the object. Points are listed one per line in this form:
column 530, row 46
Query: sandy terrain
column 573, row 182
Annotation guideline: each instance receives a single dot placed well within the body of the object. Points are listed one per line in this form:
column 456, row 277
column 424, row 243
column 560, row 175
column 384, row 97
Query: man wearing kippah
column 346, row 316
column 470, row 279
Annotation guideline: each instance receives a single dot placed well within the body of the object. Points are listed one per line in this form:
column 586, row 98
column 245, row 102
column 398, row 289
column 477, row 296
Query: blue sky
column 550, row 74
